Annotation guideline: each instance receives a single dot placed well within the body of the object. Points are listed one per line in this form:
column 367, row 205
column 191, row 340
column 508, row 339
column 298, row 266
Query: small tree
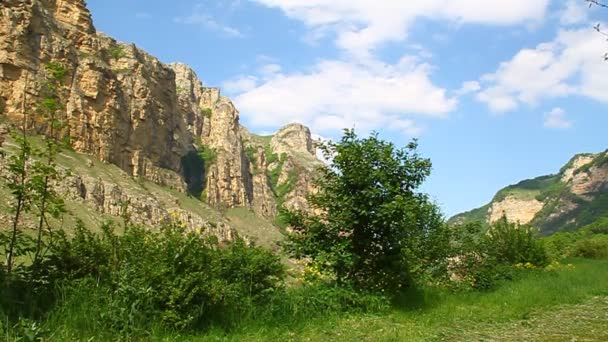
column 18, row 182
column 371, row 227
column 45, row 169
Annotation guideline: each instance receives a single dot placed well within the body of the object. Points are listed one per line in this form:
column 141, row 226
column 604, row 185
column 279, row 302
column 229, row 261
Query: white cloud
column 337, row 94
column 320, row 154
column 362, row 25
column 268, row 71
column 239, row 85
column 570, row 64
column 556, row 118
column 468, row 87
column 199, row 17
column 360, row 90
column 574, row 12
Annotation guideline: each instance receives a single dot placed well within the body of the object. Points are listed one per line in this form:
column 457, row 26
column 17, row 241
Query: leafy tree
column 371, row 227
column 31, row 170
column 44, row 169
column 20, row 187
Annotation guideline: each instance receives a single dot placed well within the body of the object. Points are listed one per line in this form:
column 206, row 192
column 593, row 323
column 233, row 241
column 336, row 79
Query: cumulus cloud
column 468, row 87
column 199, row 17
column 362, row 25
column 336, row 94
column 360, row 90
column 573, row 12
column 239, row 85
column 570, row 64
column 556, row 119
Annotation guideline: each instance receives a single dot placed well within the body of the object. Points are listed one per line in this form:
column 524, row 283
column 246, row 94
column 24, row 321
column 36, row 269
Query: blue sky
column 495, row 91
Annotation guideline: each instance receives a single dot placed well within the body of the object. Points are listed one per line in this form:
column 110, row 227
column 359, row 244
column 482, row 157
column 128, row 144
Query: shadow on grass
column 418, row 298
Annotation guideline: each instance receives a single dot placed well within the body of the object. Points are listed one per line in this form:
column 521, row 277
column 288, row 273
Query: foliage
column 527, row 186
column 373, row 230
column 512, row 243
column 206, row 112
column 275, row 173
column 284, row 188
column 553, row 191
column 30, row 172
column 482, row 258
column 178, row 279
column 250, row 152
column 599, row 161
column 570, row 163
column 271, row 157
column 116, row 51
column 592, row 248
column 477, row 215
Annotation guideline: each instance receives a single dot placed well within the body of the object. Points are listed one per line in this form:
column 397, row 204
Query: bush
column 481, row 258
column 512, row 243
column 591, row 248
column 173, row 278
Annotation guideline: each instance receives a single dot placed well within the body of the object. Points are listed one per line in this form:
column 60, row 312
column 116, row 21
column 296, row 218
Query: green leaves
column 371, row 228
column 180, row 278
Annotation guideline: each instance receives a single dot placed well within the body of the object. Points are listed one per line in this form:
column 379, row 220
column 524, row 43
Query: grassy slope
column 540, row 305
column 260, row 229
column 582, row 322
column 528, row 189
column 551, row 191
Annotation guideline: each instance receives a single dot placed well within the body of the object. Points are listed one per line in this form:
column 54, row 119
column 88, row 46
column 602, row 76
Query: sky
column 494, row 91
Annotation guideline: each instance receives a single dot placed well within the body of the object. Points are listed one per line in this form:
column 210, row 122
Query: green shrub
column 178, row 279
column 591, row 248
column 250, row 152
column 116, row 51
column 482, row 258
column 206, row 112
column 512, row 243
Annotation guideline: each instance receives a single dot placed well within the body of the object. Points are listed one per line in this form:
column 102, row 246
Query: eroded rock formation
column 125, row 107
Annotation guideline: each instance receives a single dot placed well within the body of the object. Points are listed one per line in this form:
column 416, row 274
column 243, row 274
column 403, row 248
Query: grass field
column 567, row 304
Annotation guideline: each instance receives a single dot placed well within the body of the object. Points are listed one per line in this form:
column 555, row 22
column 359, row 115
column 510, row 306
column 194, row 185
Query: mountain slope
column 574, row 197
column 156, row 123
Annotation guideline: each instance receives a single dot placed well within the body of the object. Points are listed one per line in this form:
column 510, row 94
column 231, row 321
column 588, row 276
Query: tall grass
column 321, row 313
column 431, row 313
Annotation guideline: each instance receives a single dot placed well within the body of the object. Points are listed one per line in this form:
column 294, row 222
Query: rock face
column 283, row 168
column 586, row 183
column 515, row 209
column 125, row 107
column 574, row 197
column 576, row 163
column 295, row 143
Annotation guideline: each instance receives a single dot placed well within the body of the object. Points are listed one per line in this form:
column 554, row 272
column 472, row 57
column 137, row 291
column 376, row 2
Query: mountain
column 141, row 131
column 576, row 196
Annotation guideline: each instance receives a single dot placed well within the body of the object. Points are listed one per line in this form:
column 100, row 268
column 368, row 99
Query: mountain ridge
column 567, row 200
column 156, row 122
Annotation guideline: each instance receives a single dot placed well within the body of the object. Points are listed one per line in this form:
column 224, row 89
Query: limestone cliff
column 154, row 121
column 576, row 196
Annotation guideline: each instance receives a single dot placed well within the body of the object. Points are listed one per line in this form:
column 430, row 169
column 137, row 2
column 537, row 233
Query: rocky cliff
column 576, row 196
column 154, row 121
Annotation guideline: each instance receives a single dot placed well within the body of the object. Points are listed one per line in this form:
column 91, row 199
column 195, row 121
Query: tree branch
column 597, row 3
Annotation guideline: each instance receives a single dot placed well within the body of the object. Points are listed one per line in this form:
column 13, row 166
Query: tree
column 370, row 227
column 597, row 26
column 30, row 170
column 44, row 170
column 18, row 182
